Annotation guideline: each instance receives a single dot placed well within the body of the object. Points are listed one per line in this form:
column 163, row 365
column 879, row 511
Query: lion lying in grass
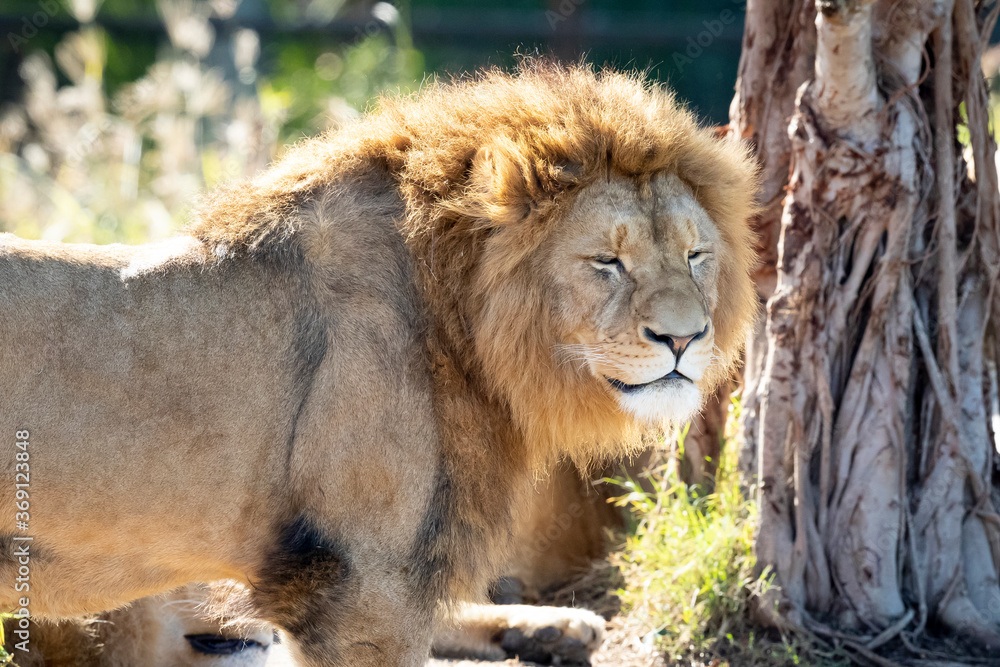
column 338, row 385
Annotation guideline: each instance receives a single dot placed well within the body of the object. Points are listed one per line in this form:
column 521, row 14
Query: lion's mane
column 485, row 166
column 395, row 265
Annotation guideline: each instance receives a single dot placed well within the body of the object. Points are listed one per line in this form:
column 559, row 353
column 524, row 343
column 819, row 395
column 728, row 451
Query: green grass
column 690, row 572
column 5, row 657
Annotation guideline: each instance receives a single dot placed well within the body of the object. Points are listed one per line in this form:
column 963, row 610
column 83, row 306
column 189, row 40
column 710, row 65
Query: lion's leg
column 363, row 640
column 344, row 603
column 543, row 634
column 358, row 628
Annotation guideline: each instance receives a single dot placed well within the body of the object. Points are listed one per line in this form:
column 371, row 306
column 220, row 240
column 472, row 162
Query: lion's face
column 635, row 271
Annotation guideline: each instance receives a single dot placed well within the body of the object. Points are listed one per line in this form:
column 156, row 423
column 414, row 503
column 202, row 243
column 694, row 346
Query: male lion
column 338, row 385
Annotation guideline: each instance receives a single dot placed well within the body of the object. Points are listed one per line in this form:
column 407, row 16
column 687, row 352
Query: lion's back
column 158, row 380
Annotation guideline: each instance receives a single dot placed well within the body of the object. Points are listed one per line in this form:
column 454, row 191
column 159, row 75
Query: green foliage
column 991, row 69
column 308, row 74
column 5, row 657
column 690, row 571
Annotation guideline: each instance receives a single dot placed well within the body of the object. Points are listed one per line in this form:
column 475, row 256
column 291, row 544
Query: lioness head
column 635, row 275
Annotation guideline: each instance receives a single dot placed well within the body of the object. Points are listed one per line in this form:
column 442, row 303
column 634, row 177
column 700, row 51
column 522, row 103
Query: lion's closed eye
column 209, row 644
column 696, row 257
column 609, row 265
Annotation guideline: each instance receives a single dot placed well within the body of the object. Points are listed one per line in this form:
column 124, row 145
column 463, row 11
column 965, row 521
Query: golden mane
column 484, row 166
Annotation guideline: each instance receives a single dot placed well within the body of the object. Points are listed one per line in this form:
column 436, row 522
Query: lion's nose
column 677, row 344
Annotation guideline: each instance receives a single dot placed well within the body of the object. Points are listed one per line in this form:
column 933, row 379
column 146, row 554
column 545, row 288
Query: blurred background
column 114, row 115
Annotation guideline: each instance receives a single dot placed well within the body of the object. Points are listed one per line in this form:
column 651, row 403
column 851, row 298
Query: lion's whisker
column 586, row 354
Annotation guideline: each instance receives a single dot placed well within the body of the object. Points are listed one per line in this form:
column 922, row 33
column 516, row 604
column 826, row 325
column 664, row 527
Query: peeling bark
column 778, row 52
column 869, row 392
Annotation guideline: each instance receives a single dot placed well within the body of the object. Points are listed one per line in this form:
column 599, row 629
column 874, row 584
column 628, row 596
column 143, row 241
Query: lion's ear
column 560, row 174
column 509, row 183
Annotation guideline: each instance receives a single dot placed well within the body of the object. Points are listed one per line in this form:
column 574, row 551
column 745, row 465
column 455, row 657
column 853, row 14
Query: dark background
column 691, row 44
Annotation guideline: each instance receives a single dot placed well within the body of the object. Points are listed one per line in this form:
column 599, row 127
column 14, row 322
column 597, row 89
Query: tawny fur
column 562, row 532
column 352, row 362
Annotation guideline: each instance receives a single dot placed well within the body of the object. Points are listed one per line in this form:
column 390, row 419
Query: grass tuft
column 5, row 657
column 690, row 571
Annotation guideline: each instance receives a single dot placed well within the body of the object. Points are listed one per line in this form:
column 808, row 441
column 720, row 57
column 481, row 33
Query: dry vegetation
column 81, row 163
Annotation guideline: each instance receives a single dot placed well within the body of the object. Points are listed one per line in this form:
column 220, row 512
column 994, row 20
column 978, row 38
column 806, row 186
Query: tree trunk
column 871, row 384
column 779, row 44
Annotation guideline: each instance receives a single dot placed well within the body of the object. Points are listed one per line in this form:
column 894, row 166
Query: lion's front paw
column 549, row 635
column 553, row 635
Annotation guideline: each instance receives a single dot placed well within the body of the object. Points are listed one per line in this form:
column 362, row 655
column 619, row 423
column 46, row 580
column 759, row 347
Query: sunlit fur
column 341, row 384
column 488, row 168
